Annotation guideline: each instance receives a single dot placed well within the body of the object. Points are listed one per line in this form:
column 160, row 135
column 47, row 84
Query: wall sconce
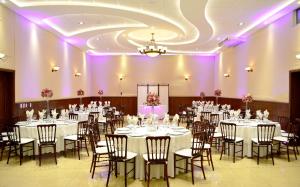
column 249, row 69
column 55, row 68
column 297, row 57
column 186, row 77
column 226, row 75
column 77, row 74
column 121, row 77
column 2, row 56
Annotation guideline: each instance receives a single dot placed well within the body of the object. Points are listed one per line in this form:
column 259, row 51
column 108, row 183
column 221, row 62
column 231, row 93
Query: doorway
column 7, row 97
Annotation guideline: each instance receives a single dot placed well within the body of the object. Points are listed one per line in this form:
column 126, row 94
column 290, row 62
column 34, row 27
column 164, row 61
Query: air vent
column 231, row 42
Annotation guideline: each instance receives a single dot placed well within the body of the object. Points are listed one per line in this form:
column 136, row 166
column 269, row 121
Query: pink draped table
column 159, row 110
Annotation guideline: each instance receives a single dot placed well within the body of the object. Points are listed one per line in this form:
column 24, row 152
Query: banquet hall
column 149, row 93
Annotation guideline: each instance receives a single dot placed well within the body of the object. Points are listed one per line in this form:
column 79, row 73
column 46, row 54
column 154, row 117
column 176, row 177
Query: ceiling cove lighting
column 152, row 50
column 265, row 17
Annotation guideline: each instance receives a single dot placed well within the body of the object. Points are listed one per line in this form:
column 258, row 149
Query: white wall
column 145, row 70
column 32, row 51
column 271, row 52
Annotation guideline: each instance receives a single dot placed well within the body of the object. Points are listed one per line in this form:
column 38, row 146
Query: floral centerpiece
column 202, row 95
column 152, row 99
column 47, row 93
column 247, row 99
column 218, row 93
column 80, row 93
column 100, row 92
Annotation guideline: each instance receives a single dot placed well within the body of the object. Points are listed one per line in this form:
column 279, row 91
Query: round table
column 137, row 143
column 63, row 128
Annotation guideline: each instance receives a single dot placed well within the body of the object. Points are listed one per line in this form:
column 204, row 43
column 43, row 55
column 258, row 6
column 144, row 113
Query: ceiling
column 120, row 26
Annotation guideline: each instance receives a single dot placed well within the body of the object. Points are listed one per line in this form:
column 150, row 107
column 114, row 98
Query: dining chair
column 228, row 131
column 157, row 154
column 18, row 143
column 97, row 135
column 214, row 119
column 3, row 142
column 265, row 135
column 206, row 115
column 117, row 152
column 181, row 113
column 73, row 116
column 189, row 118
column 47, row 138
column 100, row 154
column 210, row 130
column 194, row 154
column 199, row 126
column 226, row 115
column 284, row 122
column 78, row 139
column 288, row 142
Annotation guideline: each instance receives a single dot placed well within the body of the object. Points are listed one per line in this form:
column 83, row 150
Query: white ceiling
column 120, row 26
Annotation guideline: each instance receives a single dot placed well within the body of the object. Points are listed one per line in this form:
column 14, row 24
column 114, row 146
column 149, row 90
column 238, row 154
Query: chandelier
column 152, row 50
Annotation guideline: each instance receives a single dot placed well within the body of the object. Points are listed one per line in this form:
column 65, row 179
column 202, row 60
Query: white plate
column 137, row 135
column 123, row 132
column 177, row 128
column 181, row 130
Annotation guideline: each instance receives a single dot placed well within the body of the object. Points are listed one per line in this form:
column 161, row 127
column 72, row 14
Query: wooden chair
column 195, row 154
column 228, row 131
column 288, row 142
column 47, row 138
column 3, row 143
column 182, row 114
column 210, row 130
column 99, row 153
column 206, row 115
column 189, row 118
column 78, row 138
column 265, row 135
column 15, row 140
column 157, row 154
column 226, row 115
column 214, row 119
column 97, row 135
column 199, row 126
column 73, row 116
column 117, row 152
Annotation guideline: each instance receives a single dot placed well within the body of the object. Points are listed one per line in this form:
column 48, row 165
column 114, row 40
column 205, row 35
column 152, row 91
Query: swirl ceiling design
column 120, row 26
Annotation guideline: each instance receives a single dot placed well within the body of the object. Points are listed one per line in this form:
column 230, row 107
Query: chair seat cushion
column 101, row 143
column 238, row 139
column 217, row 135
column 182, row 152
column 38, row 141
column 280, row 138
column 286, row 134
column 101, row 150
column 255, row 140
column 206, row 146
column 26, row 140
column 71, row 137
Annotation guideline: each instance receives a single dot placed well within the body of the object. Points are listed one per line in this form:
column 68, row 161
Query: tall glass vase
column 80, row 100
column 246, row 106
column 217, row 98
column 48, row 108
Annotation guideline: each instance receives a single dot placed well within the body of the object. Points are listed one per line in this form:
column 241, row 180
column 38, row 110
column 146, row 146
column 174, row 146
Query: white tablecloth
column 247, row 129
column 63, row 128
column 138, row 145
column 159, row 110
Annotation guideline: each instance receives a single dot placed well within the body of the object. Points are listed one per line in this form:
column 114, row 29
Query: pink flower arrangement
column 218, row 92
column 152, row 99
column 100, row 92
column 46, row 93
column 80, row 92
column 247, row 98
column 202, row 95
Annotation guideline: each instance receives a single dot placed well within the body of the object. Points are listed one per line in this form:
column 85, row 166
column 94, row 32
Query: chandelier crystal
column 152, row 50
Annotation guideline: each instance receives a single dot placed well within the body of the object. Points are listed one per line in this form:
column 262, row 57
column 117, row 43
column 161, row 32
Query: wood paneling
column 7, row 97
column 295, row 94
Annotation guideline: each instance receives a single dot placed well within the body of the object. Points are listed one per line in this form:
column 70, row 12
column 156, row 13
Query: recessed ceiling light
column 3, row 1
column 241, row 23
column 298, row 2
column 298, row 56
column 81, row 23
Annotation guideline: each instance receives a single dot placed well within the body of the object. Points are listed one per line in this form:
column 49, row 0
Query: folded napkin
column 259, row 114
column 224, row 107
column 108, row 103
column 62, row 113
column 166, row 119
column 228, row 107
column 29, row 114
column 266, row 114
column 231, row 113
column 134, row 120
column 54, row 113
column 100, row 103
column 41, row 115
column 70, row 106
column 175, row 119
column 248, row 114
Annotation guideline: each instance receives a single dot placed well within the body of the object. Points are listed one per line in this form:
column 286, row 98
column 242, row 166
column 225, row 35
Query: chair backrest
column 93, row 141
column 95, row 114
column 73, row 116
column 14, row 135
column 91, row 118
column 206, row 115
column 199, row 139
column 96, row 131
column 292, row 138
column 226, row 115
column 109, row 115
column 199, row 126
column 190, row 114
column 228, row 131
column 116, row 146
column 158, row 148
column 214, row 119
column 82, row 129
column 283, row 121
column 265, row 133
column 210, row 133
column 46, row 133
